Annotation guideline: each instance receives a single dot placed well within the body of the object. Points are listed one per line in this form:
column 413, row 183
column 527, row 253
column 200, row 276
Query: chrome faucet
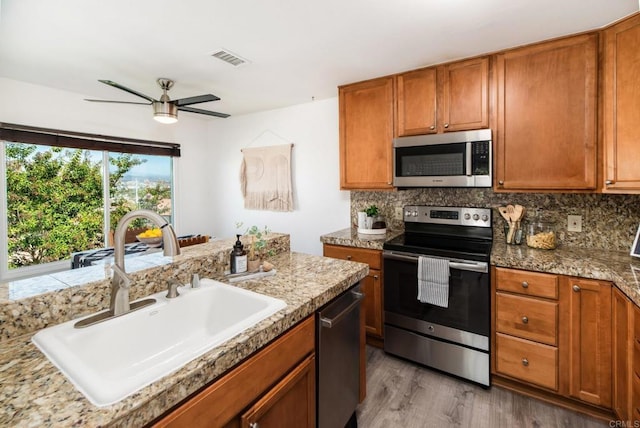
column 120, row 282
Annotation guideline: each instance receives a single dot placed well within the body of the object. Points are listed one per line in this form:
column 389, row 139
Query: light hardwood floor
column 406, row 395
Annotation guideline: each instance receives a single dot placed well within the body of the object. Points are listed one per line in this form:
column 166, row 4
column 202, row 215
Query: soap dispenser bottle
column 238, row 257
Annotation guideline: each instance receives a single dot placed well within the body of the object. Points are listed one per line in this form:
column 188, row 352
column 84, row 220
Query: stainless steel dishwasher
column 338, row 350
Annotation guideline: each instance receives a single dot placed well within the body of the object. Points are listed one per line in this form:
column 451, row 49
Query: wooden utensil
column 512, row 219
column 503, row 213
column 518, row 213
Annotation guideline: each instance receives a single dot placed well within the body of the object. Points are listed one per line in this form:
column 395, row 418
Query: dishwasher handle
column 330, row 322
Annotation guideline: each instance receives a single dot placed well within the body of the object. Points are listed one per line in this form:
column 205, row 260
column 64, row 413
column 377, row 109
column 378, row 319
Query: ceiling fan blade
column 200, row 111
column 195, row 100
column 124, row 88
column 116, row 102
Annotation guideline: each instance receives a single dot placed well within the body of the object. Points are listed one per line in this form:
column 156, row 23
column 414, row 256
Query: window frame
column 72, row 140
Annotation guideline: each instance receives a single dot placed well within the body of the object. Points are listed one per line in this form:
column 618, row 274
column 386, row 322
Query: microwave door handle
column 468, row 159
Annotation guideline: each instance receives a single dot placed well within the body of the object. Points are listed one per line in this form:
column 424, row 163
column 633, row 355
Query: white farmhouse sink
column 115, row 358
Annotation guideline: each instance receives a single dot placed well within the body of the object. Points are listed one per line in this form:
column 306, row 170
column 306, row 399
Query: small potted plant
column 373, row 222
column 257, row 247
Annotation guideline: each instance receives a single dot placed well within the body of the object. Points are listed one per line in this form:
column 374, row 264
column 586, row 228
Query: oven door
column 468, row 309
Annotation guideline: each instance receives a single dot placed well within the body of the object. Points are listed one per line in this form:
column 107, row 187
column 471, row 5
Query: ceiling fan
column 165, row 110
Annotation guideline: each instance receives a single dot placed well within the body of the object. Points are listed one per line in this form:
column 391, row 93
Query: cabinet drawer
column 363, row 255
column 527, row 318
column 528, row 361
column 527, row 283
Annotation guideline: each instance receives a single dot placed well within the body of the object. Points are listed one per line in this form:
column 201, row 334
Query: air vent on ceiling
column 229, row 57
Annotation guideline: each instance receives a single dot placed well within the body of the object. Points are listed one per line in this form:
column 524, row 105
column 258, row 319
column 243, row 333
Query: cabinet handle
column 608, row 182
column 501, row 182
column 525, row 320
column 525, row 362
column 254, row 425
column 525, row 284
column 446, row 125
column 375, row 277
column 576, row 287
column 432, row 127
column 348, row 257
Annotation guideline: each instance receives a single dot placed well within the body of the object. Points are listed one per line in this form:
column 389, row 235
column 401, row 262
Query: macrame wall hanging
column 265, row 177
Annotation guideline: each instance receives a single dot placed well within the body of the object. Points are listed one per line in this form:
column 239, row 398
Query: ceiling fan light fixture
column 165, row 112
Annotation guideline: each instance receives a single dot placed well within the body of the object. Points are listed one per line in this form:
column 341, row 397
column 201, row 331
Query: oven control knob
column 415, row 213
column 476, row 217
column 467, row 216
column 485, row 217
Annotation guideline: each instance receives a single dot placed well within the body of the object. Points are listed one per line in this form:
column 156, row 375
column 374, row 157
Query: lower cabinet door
column 589, row 347
column 289, row 404
column 372, row 289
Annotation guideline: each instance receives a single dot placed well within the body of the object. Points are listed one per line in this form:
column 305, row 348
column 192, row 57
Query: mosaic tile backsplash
column 608, row 221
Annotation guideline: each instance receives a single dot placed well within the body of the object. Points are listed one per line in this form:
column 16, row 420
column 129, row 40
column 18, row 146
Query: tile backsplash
column 608, row 221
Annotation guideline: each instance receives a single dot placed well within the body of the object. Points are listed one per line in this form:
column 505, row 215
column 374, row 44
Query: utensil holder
column 514, row 233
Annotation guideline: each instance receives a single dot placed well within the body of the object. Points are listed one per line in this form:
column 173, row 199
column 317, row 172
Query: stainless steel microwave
column 452, row 159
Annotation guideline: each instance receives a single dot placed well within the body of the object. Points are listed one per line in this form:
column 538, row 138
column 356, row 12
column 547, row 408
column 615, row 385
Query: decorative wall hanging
column 265, row 178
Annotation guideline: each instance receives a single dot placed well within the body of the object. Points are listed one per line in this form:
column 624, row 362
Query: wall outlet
column 399, row 213
column 574, row 223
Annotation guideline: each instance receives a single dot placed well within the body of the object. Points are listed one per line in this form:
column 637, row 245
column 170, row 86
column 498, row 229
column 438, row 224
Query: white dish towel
column 433, row 281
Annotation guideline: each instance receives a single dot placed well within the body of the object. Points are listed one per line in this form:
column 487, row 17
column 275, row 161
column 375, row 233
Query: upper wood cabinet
column 366, row 134
column 621, row 107
column 450, row 97
column 546, row 116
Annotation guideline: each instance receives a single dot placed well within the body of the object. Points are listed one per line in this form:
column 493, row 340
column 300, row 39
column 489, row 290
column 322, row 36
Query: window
column 67, row 196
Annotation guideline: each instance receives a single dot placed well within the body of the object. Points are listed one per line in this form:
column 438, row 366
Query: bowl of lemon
column 151, row 237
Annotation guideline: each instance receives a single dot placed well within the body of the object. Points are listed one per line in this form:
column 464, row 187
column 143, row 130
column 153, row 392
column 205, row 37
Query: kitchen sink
column 113, row 359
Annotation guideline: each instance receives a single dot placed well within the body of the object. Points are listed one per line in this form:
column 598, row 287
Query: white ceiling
column 299, row 49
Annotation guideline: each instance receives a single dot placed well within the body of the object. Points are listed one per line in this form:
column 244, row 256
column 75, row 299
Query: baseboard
column 375, row 341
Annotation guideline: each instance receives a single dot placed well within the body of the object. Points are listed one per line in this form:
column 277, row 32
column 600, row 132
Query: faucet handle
column 173, row 289
column 195, row 280
column 120, row 277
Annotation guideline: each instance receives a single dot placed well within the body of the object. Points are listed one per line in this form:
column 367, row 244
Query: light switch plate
column 574, row 223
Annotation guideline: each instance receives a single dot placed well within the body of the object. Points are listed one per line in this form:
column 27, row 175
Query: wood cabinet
column 621, row 107
column 366, row 134
column 622, row 354
column 450, row 97
column 277, row 382
column 291, row 403
column 371, row 286
column 635, row 394
column 552, row 338
column 546, row 116
column 588, row 352
column 526, row 326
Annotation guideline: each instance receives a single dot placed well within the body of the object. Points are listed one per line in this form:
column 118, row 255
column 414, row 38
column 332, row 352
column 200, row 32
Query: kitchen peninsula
column 34, row 392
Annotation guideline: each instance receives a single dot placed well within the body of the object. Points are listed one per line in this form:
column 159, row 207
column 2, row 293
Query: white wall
column 319, row 206
column 34, row 105
column 208, row 198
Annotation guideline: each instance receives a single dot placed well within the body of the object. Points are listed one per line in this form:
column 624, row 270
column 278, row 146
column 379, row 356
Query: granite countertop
column 615, row 266
column 351, row 238
column 35, row 393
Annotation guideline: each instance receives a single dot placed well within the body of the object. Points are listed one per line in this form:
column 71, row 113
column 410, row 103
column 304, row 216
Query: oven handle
column 473, row 266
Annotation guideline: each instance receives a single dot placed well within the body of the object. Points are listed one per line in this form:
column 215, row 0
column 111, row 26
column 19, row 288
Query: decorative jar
column 541, row 234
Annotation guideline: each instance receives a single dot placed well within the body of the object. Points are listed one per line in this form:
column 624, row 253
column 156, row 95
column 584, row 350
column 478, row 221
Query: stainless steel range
column 437, row 290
